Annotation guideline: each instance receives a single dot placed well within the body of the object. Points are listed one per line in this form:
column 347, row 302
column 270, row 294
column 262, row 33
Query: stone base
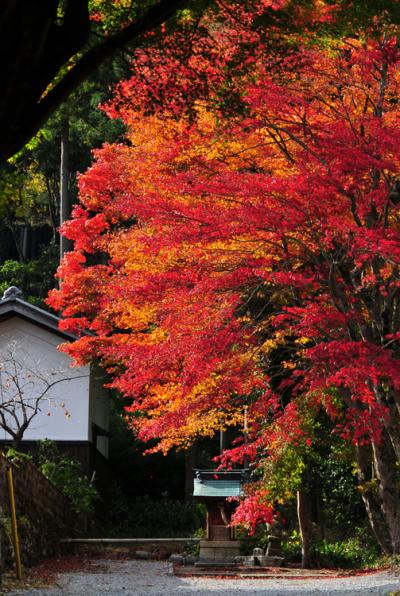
column 219, row 549
column 271, row 561
column 259, row 560
column 246, row 561
column 216, row 562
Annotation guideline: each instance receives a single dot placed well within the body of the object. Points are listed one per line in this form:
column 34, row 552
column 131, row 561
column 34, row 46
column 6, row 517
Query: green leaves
column 35, row 278
column 66, row 474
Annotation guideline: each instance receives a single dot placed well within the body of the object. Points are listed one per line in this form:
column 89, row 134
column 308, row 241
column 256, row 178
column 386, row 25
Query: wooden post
column 14, row 527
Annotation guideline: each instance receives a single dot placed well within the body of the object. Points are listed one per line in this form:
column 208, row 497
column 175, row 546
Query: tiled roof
column 217, row 488
column 13, row 305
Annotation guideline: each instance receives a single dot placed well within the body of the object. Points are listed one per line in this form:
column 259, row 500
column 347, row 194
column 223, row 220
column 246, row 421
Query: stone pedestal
column 259, row 559
column 219, row 549
column 219, row 533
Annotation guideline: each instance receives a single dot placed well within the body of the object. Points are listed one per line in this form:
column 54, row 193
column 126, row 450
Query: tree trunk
column 385, row 467
column 28, row 243
column 53, row 194
column 16, row 438
column 221, row 440
column 15, row 444
column 370, row 500
column 65, row 199
column 16, row 234
column 303, row 514
column 390, row 400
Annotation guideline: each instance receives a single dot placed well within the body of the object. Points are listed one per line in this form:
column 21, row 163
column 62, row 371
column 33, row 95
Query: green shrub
column 35, row 278
column 291, row 547
column 194, row 548
column 349, row 553
column 144, row 517
column 66, row 474
column 17, row 456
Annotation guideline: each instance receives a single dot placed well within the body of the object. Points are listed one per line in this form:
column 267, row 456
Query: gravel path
column 149, row 578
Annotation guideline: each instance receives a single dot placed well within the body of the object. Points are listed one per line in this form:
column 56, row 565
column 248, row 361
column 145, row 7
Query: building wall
column 64, row 414
column 44, row 514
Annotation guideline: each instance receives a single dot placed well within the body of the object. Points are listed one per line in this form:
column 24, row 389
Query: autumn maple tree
column 208, row 243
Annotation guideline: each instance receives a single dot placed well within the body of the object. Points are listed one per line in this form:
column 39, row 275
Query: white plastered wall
column 64, row 416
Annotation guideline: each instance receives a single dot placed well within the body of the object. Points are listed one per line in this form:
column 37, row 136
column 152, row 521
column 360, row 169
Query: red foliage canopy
column 201, row 246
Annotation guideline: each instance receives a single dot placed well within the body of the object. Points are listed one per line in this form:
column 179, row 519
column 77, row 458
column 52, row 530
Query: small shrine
column 213, row 488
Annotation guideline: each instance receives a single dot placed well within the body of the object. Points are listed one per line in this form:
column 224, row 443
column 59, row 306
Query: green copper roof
column 211, row 487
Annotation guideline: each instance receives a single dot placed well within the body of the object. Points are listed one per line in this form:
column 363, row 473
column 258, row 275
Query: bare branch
column 25, row 388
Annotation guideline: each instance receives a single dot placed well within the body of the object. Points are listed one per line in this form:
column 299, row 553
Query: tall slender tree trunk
column 390, row 399
column 65, row 198
column 26, row 242
column 370, row 499
column 16, row 234
column 53, row 204
column 386, row 472
column 304, row 517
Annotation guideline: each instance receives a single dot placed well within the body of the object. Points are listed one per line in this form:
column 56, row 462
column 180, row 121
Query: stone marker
column 177, row 560
column 258, row 552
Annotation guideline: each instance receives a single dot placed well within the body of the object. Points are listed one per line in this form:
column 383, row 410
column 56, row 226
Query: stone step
column 216, row 562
